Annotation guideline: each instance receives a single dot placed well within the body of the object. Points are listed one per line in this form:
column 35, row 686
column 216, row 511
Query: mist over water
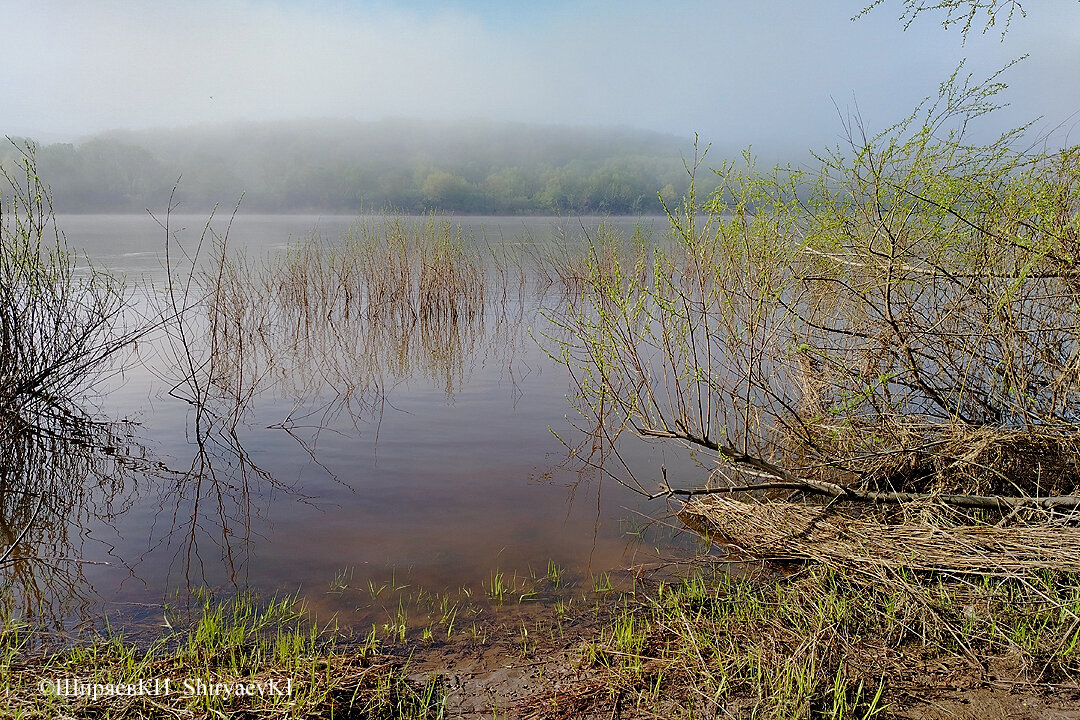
column 352, row 167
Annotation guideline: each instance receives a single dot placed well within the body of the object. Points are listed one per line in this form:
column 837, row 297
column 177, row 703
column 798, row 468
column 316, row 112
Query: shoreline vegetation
column 794, row 642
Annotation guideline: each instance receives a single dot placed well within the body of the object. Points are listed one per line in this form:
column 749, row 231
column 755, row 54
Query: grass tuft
column 237, row 658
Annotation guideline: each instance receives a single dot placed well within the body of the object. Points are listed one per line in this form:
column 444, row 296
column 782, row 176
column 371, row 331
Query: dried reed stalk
column 776, row 530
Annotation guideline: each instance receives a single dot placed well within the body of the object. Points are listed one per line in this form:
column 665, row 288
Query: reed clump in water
column 450, row 284
column 348, row 317
column 573, row 266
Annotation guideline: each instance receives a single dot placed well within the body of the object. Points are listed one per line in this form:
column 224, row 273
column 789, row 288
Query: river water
column 454, row 473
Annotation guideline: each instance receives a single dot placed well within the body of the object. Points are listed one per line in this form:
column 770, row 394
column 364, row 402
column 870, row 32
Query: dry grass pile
column 958, row 459
column 785, row 530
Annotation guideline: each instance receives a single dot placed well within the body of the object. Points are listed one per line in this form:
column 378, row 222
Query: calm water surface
column 451, row 473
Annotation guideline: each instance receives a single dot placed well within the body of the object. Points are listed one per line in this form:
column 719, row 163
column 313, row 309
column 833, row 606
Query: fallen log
column 1001, row 503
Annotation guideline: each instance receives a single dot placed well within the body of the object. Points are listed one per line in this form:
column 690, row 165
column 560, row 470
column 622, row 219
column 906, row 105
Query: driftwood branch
column 1001, row 503
column 735, row 456
column 14, row 544
column 52, row 560
column 784, row 480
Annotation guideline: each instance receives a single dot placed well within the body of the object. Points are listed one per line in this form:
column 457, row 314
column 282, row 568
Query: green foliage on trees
column 484, row 168
column 61, row 320
column 966, row 14
column 855, row 323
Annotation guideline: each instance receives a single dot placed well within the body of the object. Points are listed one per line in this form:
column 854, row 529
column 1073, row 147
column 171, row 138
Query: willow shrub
column 914, row 288
column 61, row 320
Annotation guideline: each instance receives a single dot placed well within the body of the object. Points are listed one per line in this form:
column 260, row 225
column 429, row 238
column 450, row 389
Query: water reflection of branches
column 56, row 483
column 63, row 325
column 214, row 499
column 328, row 328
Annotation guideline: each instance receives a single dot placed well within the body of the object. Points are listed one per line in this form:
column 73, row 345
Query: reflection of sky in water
column 441, row 486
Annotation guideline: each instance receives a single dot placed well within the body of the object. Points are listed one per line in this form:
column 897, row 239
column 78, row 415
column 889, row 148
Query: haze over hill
column 551, row 79
column 777, row 75
column 352, row 166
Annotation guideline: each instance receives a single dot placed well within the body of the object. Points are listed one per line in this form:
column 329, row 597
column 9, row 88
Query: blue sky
column 775, row 74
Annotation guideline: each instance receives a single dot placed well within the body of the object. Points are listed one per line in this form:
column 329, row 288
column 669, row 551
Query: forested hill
column 352, row 166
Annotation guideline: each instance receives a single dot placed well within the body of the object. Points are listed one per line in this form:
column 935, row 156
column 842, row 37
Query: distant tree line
column 340, row 166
